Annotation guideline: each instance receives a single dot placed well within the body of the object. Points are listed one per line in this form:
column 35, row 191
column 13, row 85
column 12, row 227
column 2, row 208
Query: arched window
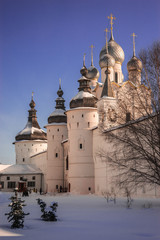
column 81, row 144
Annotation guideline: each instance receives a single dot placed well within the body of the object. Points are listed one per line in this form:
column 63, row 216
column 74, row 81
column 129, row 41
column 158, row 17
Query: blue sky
column 44, row 40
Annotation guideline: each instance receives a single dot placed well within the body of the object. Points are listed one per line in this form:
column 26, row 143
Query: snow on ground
column 86, row 217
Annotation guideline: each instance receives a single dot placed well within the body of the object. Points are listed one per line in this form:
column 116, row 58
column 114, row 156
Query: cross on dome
column 32, row 95
column 59, row 83
column 134, row 52
column 84, row 57
column 106, row 30
column 92, row 54
column 111, row 17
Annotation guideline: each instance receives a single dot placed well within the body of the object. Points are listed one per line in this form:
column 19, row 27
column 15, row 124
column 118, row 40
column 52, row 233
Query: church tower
column 31, row 140
column 134, row 67
column 107, row 103
column 115, row 50
column 56, row 133
column 81, row 118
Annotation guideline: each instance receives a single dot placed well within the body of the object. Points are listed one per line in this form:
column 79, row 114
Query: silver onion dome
column 115, row 50
column 134, row 64
column 106, row 60
column 93, row 72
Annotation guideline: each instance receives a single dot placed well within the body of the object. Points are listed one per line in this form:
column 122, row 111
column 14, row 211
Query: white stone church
column 65, row 158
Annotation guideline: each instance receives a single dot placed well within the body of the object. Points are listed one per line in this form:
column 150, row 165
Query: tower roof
column 32, row 130
column 84, row 98
column 58, row 116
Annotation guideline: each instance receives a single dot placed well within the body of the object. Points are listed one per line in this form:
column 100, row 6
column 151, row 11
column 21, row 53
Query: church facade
column 65, row 158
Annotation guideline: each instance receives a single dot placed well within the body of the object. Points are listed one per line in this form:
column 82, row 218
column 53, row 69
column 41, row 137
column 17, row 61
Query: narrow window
column 62, row 137
column 116, row 77
column 88, row 124
column 21, row 178
column 49, row 130
column 67, row 163
column 128, row 116
column 57, row 187
column 23, row 159
column 56, row 155
column 53, row 137
column 82, row 115
column 58, row 130
column 32, row 144
column 77, row 124
column 8, row 178
column 33, row 178
column 94, row 115
column 80, row 145
column 72, row 116
column 28, row 149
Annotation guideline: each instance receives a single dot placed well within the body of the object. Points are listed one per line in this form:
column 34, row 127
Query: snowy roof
column 30, row 130
column 3, row 166
column 58, row 112
column 55, row 124
column 82, row 94
column 21, row 169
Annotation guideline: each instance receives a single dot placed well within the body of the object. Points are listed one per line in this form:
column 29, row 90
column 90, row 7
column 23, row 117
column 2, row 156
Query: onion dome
column 134, row 64
column 92, row 72
column 84, row 98
column 114, row 49
column 32, row 130
column 58, row 116
column 106, row 60
column 84, row 70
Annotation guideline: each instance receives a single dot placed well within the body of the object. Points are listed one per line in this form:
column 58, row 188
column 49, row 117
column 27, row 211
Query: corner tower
column 31, row 140
column 56, row 133
column 81, row 118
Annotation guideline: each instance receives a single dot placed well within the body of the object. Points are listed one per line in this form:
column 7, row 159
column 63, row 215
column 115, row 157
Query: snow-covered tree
column 16, row 215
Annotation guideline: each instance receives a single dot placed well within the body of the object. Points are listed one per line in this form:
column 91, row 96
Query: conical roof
column 32, row 130
column 58, row 116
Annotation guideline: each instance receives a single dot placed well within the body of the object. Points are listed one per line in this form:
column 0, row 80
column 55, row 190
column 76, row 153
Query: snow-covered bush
column 16, row 215
column 48, row 214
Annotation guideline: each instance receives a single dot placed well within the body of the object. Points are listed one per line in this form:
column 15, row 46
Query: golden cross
column 111, row 22
column 106, row 30
column 91, row 54
column 133, row 35
column 84, row 55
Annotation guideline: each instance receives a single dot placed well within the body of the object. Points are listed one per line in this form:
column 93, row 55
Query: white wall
column 56, row 133
column 25, row 149
column 81, row 165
